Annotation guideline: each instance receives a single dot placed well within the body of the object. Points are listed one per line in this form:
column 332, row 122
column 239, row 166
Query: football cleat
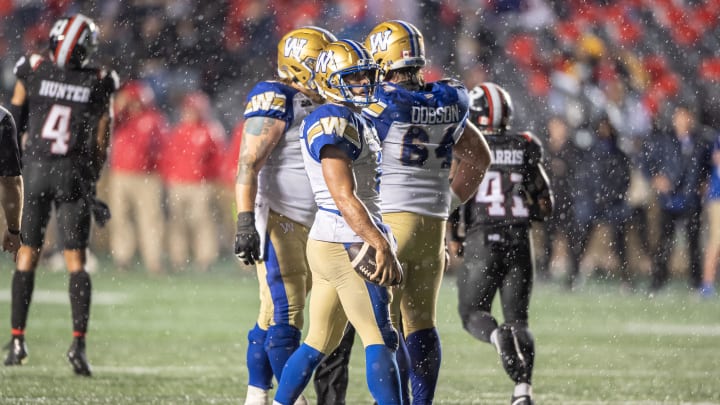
column 17, row 352
column 76, row 356
column 522, row 400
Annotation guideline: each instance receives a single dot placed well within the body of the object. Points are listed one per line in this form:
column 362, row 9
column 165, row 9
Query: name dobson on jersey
column 435, row 115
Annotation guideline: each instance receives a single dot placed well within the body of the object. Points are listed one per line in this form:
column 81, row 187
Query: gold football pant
column 284, row 276
column 339, row 294
column 421, row 251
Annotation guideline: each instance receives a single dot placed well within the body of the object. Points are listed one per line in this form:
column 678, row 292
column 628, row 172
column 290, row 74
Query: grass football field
column 181, row 339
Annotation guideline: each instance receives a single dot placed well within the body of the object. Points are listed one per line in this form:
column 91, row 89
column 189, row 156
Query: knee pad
column 480, row 324
column 257, row 335
column 282, row 336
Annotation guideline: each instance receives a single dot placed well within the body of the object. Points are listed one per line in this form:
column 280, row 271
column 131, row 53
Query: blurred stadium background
column 179, row 339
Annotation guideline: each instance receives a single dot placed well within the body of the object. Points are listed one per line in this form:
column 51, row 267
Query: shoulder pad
column 375, row 109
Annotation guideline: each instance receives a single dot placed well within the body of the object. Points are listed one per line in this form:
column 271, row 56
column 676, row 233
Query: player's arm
column 104, row 131
column 259, row 137
column 471, row 159
column 541, row 198
column 338, row 174
column 18, row 107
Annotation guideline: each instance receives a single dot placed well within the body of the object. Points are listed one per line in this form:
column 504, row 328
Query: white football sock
column 523, row 389
column 256, row 396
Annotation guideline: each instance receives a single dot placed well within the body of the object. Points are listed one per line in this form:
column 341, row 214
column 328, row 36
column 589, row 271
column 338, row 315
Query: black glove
column 247, row 239
column 100, row 211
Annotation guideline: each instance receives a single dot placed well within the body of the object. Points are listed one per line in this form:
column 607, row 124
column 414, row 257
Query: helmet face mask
column 395, row 45
column 297, row 54
column 491, row 108
column 73, row 40
column 343, row 68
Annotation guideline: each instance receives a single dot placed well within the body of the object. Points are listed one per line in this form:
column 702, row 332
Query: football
column 362, row 259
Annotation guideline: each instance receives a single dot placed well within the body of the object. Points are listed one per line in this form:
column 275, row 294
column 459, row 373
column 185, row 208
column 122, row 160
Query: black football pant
column 331, row 376
column 496, row 260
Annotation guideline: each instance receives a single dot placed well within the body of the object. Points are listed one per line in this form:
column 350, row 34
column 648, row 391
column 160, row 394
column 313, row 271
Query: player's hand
column 11, row 242
column 247, row 239
column 388, row 272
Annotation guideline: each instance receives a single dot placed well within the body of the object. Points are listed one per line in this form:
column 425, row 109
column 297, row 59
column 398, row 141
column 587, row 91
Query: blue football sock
column 383, row 377
column 280, row 343
column 297, row 374
column 403, row 360
column 425, row 357
column 259, row 371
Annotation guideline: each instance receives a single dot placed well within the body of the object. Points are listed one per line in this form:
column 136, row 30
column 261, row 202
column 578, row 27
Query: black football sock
column 80, row 291
column 23, row 283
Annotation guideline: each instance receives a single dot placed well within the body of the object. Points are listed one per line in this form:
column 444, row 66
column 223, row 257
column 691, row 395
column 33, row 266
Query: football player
column 68, row 128
column 422, row 127
column 498, row 248
column 342, row 158
column 276, row 205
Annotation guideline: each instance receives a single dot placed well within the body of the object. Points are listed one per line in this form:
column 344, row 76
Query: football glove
column 100, row 211
column 247, row 239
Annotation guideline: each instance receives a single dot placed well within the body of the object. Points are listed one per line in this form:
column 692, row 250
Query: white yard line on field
column 672, row 329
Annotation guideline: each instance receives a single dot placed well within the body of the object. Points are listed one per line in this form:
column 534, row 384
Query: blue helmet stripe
column 360, row 50
column 414, row 43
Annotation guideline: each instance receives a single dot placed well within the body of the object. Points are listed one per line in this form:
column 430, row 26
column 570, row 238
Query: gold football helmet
column 298, row 51
column 396, row 44
column 340, row 59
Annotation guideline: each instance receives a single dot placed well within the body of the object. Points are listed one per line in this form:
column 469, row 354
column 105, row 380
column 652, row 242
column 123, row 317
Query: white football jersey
column 418, row 130
column 282, row 182
column 337, row 125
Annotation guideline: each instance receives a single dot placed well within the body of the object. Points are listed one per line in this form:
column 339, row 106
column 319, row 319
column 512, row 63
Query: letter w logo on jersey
column 323, row 60
column 339, row 127
column 267, row 101
column 380, row 41
column 294, row 47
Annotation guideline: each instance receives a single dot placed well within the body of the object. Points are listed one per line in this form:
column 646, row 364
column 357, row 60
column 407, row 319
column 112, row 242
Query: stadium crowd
column 626, row 105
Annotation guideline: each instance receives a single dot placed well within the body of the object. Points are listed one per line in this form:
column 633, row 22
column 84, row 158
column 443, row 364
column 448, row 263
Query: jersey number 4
column 57, row 128
column 491, row 192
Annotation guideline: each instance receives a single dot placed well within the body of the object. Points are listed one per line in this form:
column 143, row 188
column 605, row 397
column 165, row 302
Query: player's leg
column 37, row 206
column 478, row 281
column 694, row 250
column 421, row 250
column 327, row 320
column 74, row 225
column 286, row 272
column 380, row 339
column 331, row 376
column 712, row 249
column 514, row 337
column 260, row 372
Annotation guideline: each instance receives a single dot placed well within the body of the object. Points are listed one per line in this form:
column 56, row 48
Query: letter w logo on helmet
column 323, row 60
column 380, row 41
column 294, row 47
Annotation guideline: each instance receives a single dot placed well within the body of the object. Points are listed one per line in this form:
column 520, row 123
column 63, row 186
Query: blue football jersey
column 418, row 130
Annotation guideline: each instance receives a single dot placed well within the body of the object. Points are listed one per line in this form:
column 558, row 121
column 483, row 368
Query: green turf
column 181, row 340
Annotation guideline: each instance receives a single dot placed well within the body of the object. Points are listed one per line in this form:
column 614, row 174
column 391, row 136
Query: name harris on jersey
column 507, row 156
column 64, row 91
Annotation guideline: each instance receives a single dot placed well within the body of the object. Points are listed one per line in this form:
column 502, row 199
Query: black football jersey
column 64, row 107
column 501, row 199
